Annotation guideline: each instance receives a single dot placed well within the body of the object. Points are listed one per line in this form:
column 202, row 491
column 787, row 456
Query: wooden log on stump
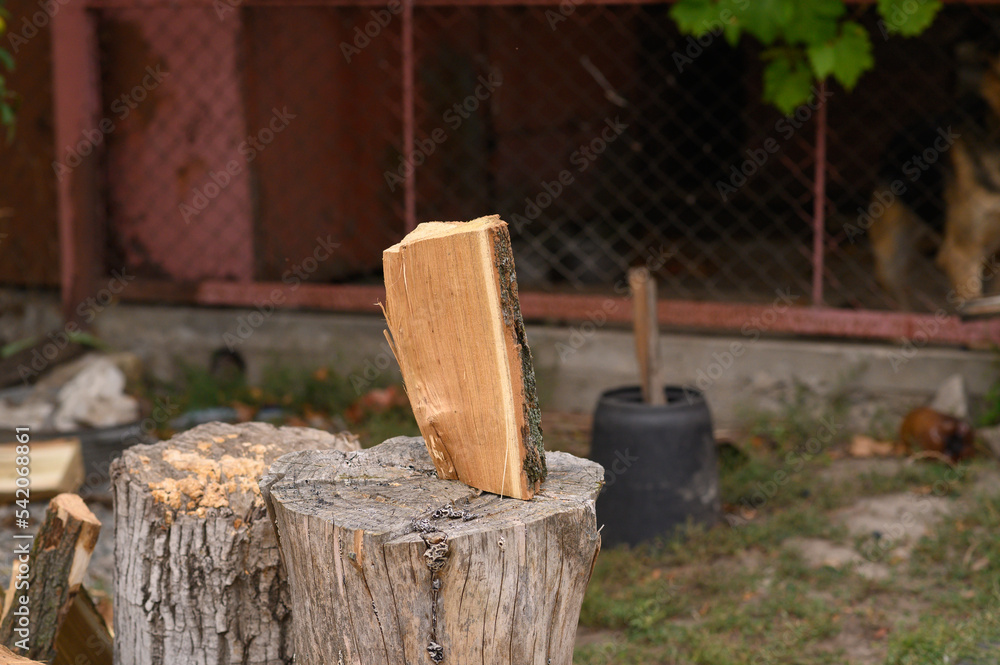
column 197, row 575
column 44, row 581
column 389, row 564
column 455, row 327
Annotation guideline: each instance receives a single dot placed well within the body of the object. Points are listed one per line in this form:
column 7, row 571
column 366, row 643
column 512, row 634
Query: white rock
column 27, row 414
column 764, row 381
column 991, row 437
column 951, row 397
column 95, row 397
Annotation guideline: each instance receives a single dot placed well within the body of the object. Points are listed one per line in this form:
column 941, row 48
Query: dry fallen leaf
column 244, row 412
column 866, row 446
column 932, row 455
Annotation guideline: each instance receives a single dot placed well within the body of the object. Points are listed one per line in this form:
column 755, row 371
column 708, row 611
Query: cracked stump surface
column 197, row 575
column 393, row 565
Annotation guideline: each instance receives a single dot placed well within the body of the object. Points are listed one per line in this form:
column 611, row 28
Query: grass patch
column 734, row 595
column 970, row 641
column 297, row 397
column 935, row 477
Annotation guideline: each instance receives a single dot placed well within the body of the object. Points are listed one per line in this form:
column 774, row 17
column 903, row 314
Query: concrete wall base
column 741, row 376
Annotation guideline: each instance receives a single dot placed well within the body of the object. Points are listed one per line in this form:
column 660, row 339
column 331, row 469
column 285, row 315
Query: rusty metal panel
column 682, row 187
column 29, row 249
column 178, row 183
column 324, row 174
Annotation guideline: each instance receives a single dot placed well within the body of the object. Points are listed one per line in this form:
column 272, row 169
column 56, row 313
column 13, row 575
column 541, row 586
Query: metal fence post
column 819, row 200
column 410, row 186
column 76, row 92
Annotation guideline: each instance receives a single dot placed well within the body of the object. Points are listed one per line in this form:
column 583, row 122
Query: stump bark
column 390, row 565
column 197, row 575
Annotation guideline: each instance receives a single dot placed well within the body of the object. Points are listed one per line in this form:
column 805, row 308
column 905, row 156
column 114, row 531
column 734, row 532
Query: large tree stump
column 390, row 565
column 197, row 578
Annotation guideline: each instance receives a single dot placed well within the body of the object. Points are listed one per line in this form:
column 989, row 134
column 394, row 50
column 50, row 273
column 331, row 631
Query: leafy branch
column 806, row 41
column 8, row 98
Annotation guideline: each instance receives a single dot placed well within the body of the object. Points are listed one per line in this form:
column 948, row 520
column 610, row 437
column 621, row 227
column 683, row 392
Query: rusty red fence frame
column 81, row 226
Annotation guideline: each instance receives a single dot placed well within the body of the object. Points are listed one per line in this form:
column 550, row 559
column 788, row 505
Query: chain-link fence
column 241, row 137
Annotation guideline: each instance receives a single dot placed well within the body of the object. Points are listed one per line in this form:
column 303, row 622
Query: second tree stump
column 389, row 564
column 197, row 580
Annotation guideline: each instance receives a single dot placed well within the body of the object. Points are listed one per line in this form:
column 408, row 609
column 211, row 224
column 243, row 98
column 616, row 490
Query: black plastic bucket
column 659, row 463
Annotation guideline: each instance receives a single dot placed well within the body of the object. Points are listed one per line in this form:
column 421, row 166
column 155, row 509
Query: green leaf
column 695, row 16
column 907, row 17
column 814, row 22
column 6, row 115
column 87, row 339
column 7, row 60
column 732, row 33
column 8, row 350
column 731, row 11
column 822, row 57
column 852, row 54
column 787, row 82
column 767, row 19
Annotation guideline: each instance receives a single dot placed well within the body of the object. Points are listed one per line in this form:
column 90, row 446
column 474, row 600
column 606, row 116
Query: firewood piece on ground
column 455, row 327
column 197, row 570
column 390, row 564
column 9, row 658
column 53, row 569
column 84, row 636
column 56, row 468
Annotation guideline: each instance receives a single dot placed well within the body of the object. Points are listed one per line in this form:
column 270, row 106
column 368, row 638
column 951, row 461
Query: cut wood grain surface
column 198, row 578
column 455, row 327
column 389, row 564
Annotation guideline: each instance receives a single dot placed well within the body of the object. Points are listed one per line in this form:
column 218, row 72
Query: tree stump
column 197, row 578
column 390, row 565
